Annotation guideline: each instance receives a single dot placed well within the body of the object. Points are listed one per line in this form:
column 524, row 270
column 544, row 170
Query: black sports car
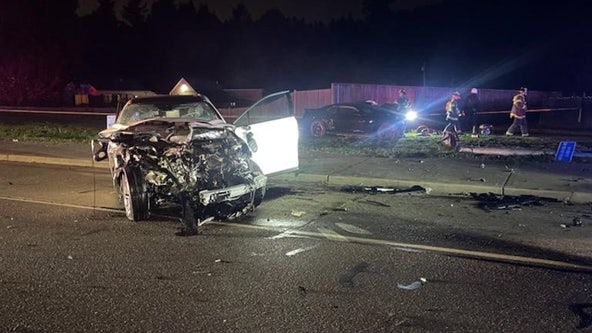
column 353, row 118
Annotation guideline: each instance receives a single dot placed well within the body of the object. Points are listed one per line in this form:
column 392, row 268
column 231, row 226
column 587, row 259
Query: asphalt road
column 309, row 259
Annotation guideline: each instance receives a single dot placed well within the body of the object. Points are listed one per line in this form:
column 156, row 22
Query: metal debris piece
column 577, row 222
column 297, row 213
column 340, row 209
column 490, row 201
column 379, row 189
column 412, row 286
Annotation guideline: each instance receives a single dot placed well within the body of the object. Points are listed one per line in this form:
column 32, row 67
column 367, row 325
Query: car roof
column 362, row 106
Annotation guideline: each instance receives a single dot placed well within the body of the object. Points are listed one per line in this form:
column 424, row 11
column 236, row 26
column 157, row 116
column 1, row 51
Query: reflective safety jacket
column 518, row 107
column 452, row 110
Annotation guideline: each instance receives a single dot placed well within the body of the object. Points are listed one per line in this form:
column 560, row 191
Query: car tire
column 317, row 128
column 134, row 196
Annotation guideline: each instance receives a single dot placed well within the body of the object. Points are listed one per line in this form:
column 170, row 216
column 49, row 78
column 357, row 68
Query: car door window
column 271, row 131
column 275, row 106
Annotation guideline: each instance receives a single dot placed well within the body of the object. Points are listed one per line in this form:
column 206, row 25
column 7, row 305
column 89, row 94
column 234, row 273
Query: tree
column 36, row 52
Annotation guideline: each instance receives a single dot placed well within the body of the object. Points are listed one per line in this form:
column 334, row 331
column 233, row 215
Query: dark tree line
column 487, row 43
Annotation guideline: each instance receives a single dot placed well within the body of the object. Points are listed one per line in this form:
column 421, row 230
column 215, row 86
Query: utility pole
column 423, row 72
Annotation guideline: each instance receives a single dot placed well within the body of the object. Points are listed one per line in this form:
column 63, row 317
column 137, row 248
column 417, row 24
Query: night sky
column 287, row 44
column 310, row 10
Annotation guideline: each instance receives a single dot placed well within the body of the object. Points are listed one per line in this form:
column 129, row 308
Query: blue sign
column 565, row 151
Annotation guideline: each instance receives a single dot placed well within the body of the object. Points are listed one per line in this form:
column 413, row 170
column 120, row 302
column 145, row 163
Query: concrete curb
column 436, row 188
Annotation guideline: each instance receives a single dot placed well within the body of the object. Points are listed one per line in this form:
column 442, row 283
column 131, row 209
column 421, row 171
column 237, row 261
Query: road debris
column 297, row 213
column 415, row 189
column 491, row 201
column 415, row 285
column 577, row 222
column 341, row 208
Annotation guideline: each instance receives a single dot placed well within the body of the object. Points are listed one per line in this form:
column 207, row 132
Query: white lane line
column 332, row 235
column 406, row 250
column 353, row 229
column 329, row 234
column 507, row 258
column 103, row 209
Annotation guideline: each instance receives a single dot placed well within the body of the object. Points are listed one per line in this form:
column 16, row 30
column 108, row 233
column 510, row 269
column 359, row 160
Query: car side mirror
column 251, row 142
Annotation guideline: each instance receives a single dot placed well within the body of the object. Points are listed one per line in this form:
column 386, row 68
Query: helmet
column 474, row 91
column 523, row 89
column 456, row 93
column 402, row 91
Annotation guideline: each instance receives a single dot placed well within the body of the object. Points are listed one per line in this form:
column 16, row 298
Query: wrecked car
column 366, row 118
column 178, row 150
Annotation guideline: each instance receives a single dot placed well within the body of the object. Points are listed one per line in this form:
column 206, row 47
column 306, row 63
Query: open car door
column 271, row 130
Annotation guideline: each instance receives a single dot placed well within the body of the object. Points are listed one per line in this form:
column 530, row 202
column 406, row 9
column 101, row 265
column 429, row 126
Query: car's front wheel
column 318, row 128
column 134, row 196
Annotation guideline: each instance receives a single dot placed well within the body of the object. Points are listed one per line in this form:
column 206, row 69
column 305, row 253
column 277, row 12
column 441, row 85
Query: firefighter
column 470, row 108
column 518, row 113
column 402, row 103
column 453, row 113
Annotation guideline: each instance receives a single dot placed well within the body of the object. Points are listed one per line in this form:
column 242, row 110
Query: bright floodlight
column 411, row 115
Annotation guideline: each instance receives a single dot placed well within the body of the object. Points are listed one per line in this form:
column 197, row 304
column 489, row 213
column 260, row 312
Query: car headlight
column 411, row 115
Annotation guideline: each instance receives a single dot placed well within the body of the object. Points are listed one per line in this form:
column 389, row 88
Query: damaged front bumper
column 232, row 193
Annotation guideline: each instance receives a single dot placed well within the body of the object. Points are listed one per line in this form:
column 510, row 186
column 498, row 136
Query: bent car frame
column 179, row 151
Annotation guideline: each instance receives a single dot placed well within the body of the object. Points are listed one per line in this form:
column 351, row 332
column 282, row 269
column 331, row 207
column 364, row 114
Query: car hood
column 163, row 127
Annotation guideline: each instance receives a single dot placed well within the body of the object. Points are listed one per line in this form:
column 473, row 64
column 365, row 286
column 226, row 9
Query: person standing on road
column 470, row 108
column 518, row 113
column 453, row 113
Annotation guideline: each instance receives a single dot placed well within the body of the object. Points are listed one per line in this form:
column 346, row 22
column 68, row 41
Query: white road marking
column 353, row 229
column 406, row 250
column 507, row 258
column 58, row 204
column 300, row 250
column 332, row 235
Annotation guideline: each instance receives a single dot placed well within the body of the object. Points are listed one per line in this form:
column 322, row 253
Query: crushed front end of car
column 204, row 168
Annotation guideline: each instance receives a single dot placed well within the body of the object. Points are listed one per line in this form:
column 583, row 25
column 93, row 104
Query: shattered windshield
column 196, row 111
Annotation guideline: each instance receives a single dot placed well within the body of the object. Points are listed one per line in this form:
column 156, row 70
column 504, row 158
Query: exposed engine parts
column 205, row 169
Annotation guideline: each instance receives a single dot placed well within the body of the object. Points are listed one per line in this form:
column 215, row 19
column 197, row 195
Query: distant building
column 115, row 92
